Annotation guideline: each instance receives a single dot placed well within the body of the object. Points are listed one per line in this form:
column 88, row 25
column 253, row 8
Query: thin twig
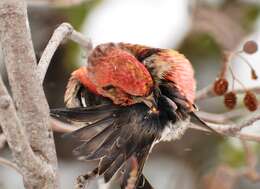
column 246, row 122
column 225, row 131
column 8, row 163
column 207, row 93
column 64, row 31
column 222, row 117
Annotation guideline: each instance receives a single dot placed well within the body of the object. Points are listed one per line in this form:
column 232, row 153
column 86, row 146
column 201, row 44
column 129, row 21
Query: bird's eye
column 108, row 87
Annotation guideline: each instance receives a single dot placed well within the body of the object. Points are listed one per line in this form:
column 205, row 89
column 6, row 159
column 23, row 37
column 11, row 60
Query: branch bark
column 33, row 168
column 222, row 118
column 29, row 100
column 8, row 163
column 64, row 31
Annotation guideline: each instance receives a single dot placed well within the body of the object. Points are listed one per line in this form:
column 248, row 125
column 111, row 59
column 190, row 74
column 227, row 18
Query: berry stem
column 244, row 60
column 236, row 79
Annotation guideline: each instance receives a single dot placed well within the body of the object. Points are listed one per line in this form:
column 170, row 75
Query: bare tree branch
column 207, row 92
column 64, row 31
column 39, row 167
column 221, row 130
column 33, row 167
column 235, row 129
column 8, row 163
column 222, row 117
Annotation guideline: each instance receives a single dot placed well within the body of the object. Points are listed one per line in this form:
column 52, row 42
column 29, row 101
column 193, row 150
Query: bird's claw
column 81, row 182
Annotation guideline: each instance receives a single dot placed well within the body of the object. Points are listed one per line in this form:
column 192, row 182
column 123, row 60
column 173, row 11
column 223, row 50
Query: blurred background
column 200, row 29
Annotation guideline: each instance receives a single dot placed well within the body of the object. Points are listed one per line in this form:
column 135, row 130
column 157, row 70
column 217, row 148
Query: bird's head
column 115, row 74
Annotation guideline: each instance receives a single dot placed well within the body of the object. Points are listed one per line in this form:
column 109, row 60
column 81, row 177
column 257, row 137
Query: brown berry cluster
column 221, row 84
column 250, row 47
column 230, row 100
column 250, row 101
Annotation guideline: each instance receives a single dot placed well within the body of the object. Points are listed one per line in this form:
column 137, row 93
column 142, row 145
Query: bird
column 127, row 98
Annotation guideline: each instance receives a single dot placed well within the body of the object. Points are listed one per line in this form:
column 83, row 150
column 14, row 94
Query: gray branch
column 7, row 163
column 29, row 101
column 64, row 31
column 33, row 168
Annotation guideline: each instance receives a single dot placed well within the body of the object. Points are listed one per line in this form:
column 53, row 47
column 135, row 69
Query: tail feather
column 108, row 174
column 141, row 158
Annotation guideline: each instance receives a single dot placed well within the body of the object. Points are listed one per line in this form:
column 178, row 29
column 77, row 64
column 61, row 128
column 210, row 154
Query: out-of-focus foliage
column 204, row 43
column 232, row 155
column 251, row 14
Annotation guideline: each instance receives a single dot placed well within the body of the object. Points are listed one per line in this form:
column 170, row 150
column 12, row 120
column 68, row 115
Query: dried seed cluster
column 250, row 47
column 221, row 84
column 250, row 101
column 230, row 100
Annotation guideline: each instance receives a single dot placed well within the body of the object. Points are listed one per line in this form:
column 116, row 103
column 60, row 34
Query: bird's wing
column 118, row 134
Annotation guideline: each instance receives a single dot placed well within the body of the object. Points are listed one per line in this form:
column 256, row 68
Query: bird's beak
column 150, row 102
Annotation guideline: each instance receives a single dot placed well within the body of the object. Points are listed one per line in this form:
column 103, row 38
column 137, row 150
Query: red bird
column 129, row 97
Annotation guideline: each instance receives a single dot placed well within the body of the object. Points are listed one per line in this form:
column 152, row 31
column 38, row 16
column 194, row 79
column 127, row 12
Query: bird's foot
column 82, row 180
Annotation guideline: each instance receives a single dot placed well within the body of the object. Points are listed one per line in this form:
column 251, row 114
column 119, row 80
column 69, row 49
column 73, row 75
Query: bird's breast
column 174, row 131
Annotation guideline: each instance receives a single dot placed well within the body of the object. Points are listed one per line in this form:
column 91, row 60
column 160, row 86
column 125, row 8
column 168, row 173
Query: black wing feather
column 84, row 114
column 92, row 144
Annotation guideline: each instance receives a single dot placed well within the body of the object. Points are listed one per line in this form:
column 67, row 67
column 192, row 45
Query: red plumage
column 130, row 97
column 118, row 75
